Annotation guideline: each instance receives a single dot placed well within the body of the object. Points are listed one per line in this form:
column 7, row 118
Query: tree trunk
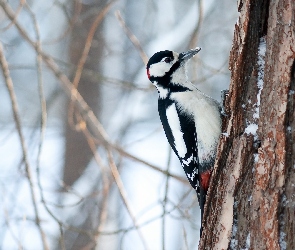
column 251, row 199
column 77, row 152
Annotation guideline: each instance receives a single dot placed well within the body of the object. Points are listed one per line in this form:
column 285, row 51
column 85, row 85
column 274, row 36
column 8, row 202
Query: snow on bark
column 253, row 127
column 260, row 78
column 234, row 241
column 262, row 35
column 269, row 174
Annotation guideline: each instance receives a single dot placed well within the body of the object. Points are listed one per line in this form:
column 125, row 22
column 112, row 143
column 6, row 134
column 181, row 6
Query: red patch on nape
column 148, row 73
column 205, row 179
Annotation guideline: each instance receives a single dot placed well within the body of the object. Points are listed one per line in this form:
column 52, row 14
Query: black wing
column 190, row 161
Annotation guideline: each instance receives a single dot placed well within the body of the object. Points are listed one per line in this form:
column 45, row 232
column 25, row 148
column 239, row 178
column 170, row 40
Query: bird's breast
column 206, row 115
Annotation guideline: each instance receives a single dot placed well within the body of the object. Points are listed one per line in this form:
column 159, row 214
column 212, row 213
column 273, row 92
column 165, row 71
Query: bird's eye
column 167, row 60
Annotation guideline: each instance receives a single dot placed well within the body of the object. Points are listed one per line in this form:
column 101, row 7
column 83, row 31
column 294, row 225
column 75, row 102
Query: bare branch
column 72, row 21
column 43, row 121
column 88, row 42
column 9, row 85
column 106, row 188
column 194, row 39
column 19, row 8
column 130, row 156
column 85, row 53
column 123, row 193
column 87, row 114
column 165, row 199
column 132, row 38
column 7, row 222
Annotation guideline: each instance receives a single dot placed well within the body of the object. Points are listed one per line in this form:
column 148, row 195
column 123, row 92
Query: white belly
column 207, row 120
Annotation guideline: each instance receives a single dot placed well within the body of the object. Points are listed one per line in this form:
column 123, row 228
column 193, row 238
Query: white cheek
column 159, row 69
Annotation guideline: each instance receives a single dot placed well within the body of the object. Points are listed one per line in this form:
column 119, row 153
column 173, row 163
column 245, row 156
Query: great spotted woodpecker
column 191, row 119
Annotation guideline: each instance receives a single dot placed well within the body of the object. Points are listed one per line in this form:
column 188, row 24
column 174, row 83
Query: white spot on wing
column 188, row 161
column 194, row 173
column 162, row 92
column 174, row 124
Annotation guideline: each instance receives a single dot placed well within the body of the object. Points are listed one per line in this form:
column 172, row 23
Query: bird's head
column 166, row 67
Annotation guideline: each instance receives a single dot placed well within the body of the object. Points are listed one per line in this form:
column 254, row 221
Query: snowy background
column 90, row 212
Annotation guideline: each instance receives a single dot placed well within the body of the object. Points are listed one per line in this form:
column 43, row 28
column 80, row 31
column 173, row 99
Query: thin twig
column 165, row 199
column 123, row 193
column 72, row 21
column 43, row 121
column 7, row 222
column 132, row 157
column 125, row 230
column 185, row 238
column 106, row 183
column 19, row 8
column 195, row 35
column 94, row 75
column 88, row 42
column 132, row 38
column 85, row 53
column 9, row 85
column 95, row 126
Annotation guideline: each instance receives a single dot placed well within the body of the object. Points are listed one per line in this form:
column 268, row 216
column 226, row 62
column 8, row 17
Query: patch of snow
column 252, row 129
column 282, row 241
column 234, row 241
column 282, row 237
column 260, row 77
column 256, row 156
column 247, row 242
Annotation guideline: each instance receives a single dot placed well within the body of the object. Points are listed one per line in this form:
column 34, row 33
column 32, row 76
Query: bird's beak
column 185, row 56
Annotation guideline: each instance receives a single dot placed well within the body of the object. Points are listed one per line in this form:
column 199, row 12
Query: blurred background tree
column 99, row 175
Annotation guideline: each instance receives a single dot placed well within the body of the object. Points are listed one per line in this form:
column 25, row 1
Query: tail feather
column 198, row 179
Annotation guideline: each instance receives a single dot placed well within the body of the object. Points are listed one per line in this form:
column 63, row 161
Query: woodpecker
column 191, row 119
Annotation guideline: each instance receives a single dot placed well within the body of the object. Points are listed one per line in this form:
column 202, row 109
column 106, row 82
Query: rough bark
column 250, row 203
